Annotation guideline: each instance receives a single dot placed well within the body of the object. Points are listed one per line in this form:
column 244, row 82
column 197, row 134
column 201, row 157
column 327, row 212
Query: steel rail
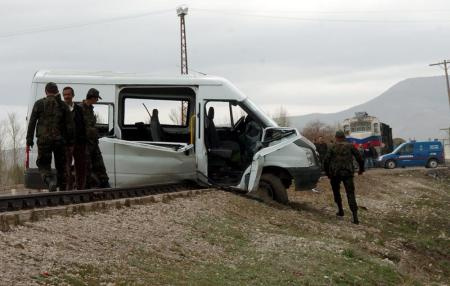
column 50, row 199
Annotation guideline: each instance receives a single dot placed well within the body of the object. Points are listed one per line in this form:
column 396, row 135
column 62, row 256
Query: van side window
column 221, row 113
column 170, row 112
column 104, row 114
column 157, row 114
column 407, row 149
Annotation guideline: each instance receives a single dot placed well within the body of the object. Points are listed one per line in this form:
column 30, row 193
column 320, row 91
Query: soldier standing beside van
column 54, row 129
column 339, row 168
column 94, row 159
column 78, row 152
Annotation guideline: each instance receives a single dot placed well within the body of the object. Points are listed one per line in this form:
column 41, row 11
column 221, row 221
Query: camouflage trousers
column 44, row 161
column 95, row 165
column 349, row 189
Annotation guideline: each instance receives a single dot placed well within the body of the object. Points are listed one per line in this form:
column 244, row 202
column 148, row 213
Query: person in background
column 366, row 158
column 78, row 152
column 374, row 154
column 322, row 149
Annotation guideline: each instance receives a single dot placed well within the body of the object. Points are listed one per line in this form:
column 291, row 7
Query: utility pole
column 445, row 63
column 181, row 12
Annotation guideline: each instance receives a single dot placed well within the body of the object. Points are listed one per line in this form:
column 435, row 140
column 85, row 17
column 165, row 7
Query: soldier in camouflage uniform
column 338, row 165
column 94, row 159
column 53, row 122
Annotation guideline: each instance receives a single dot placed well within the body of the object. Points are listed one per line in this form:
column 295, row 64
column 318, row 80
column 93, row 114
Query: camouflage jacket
column 339, row 160
column 52, row 120
column 89, row 123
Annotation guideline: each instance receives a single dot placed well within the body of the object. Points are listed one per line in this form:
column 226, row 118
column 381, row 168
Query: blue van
column 427, row 153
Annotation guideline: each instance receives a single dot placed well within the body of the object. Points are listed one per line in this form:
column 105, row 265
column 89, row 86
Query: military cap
column 93, row 93
column 340, row 134
column 51, row 87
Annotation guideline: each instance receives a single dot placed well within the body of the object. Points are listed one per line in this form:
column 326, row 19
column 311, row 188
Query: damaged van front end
column 287, row 155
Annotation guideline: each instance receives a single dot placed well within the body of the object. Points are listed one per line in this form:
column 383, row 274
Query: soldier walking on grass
column 94, row 159
column 78, row 152
column 338, row 165
column 54, row 130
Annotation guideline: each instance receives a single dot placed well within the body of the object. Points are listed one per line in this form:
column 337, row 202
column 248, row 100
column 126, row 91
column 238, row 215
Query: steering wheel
column 238, row 123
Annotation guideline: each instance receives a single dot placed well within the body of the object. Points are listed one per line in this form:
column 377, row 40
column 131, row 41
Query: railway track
column 42, row 200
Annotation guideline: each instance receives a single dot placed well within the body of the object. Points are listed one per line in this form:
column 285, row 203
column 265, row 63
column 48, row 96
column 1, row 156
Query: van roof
column 109, row 77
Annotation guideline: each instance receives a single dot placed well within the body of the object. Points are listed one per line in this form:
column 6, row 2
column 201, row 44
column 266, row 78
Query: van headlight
column 310, row 157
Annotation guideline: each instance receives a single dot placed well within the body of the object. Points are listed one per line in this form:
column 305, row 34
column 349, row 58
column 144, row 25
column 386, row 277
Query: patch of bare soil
column 224, row 239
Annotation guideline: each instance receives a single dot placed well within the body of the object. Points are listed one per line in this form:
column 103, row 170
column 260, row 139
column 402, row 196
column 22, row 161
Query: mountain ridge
column 415, row 108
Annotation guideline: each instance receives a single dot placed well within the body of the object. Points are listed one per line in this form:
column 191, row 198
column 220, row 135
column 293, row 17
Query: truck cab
column 426, row 153
column 161, row 130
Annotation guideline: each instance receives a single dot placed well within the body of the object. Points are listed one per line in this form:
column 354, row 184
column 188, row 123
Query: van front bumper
column 305, row 178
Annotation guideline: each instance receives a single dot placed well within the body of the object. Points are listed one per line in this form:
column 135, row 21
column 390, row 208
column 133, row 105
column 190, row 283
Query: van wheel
column 271, row 187
column 432, row 163
column 390, row 164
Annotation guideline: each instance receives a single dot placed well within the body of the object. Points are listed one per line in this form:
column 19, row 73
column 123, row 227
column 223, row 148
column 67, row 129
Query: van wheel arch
column 281, row 173
column 390, row 164
column 273, row 185
column 432, row 163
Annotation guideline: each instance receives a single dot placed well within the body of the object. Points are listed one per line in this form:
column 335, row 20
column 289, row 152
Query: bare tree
column 16, row 133
column 398, row 141
column 2, row 154
column 175, row 116
column 317, row 128
column 281, row 117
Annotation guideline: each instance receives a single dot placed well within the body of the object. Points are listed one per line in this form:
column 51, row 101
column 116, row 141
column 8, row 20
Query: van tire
column 432, row 163
column 390, row 164
column 275, row 187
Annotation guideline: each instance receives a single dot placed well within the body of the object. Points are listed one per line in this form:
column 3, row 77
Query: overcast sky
column 309, row 56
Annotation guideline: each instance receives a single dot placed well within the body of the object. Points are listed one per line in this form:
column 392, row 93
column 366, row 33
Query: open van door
column 273, row 139
column 147, row 162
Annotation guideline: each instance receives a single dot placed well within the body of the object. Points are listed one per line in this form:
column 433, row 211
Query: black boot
column 104, row 185
column 355, row 218
column 51, row 184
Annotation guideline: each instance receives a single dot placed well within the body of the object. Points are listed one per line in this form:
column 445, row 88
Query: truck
column 206, row 131
column 415, row 153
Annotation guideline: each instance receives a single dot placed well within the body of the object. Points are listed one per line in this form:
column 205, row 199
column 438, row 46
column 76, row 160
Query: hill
column 414, row 108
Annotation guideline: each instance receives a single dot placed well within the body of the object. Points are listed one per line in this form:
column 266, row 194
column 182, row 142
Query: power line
column 312, row 19
column 244, row 13
column 404, row 11
column 78, row 25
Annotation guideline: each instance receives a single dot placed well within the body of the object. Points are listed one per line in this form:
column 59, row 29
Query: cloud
column 305, row 65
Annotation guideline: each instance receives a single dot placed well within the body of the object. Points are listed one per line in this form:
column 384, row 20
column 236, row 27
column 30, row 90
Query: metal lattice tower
column 181, row 12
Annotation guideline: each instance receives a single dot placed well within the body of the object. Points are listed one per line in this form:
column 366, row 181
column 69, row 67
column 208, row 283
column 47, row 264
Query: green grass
column 250, row 243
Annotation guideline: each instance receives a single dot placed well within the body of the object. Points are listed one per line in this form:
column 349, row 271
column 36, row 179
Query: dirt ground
column 221, row 238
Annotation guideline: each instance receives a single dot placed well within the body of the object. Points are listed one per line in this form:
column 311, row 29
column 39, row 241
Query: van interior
column 232, row 137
